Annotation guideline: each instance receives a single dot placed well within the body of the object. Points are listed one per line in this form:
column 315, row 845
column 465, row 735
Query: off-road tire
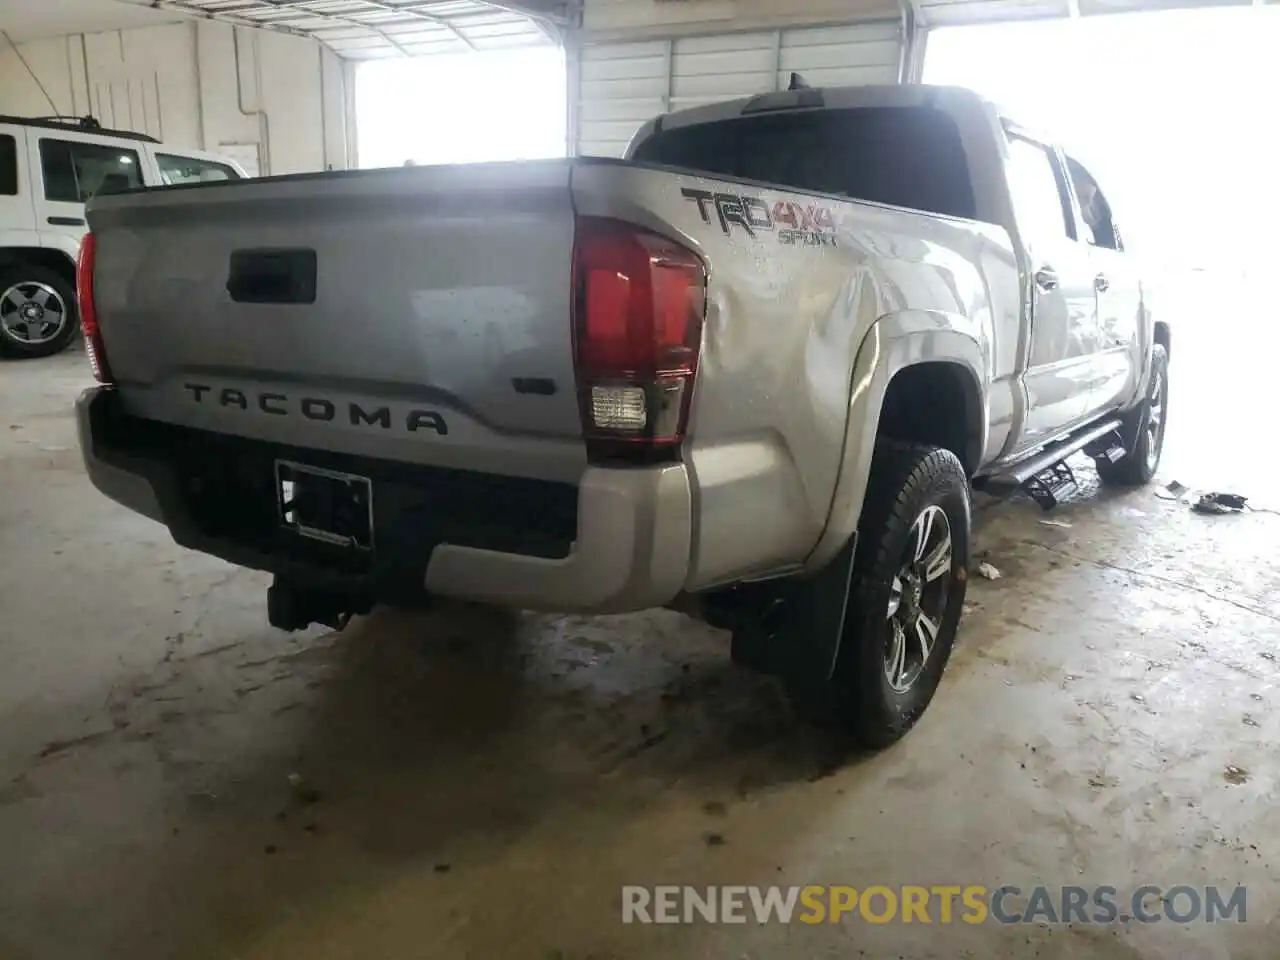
column 1143, row 446
column 906, row 479
column 17, row 274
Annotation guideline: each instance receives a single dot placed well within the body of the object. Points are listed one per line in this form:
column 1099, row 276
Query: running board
column 1020, row 473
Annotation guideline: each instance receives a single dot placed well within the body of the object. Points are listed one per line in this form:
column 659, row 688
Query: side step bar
column 1046, row 477
column 1024, row 471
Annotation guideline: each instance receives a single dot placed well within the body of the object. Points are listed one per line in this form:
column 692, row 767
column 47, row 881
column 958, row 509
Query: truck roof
column 79, row 125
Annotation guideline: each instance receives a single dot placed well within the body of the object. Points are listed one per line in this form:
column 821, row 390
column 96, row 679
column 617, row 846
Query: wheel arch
column 50, row 258
column 939, row 403
column 905, row 360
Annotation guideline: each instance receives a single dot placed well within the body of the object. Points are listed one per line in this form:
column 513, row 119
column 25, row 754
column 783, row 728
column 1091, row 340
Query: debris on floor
column 988, row 571
column 1173, row 490
column 1235, row 775
column 1211, row 503
column 1215, row 503
column 1056, row 523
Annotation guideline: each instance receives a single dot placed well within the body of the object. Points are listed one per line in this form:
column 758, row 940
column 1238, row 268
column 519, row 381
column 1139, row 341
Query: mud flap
column 798, row 630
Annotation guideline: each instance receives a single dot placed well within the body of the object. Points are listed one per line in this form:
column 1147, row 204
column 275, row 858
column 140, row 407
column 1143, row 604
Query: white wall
column 634, row 59
column 620, row 85
column 279, row 100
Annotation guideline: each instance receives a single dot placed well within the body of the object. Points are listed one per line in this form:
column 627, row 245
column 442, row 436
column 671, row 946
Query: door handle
column 66, row 221
column 1047, row 279
column 1101, row 283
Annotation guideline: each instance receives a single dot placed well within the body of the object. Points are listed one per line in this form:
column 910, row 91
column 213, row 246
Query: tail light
column 88, row 312
column 639, row 301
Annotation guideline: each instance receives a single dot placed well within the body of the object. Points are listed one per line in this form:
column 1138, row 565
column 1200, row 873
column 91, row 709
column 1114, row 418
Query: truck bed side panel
column 790, row 302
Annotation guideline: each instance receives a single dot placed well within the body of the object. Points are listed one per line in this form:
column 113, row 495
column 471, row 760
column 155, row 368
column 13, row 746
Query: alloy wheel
column 917, row 599
column 32, row 313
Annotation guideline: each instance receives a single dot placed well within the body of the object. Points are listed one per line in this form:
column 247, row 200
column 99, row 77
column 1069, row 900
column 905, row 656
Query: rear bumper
column 619, row 541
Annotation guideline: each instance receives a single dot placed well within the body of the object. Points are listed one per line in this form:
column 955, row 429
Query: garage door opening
column 1170, row 111
column 466, row 108
column 1169, row 106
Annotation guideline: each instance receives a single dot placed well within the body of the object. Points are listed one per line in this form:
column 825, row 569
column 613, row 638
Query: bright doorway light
column 1171, row 110
column 467, row 108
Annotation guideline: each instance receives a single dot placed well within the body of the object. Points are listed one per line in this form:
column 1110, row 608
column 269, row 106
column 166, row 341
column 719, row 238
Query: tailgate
column 420, row 315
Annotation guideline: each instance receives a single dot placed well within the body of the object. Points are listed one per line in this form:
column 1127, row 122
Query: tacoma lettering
column 381, row 417
column 319, row 409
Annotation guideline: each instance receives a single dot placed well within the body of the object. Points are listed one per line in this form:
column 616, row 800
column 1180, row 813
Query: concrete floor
column 480, row 784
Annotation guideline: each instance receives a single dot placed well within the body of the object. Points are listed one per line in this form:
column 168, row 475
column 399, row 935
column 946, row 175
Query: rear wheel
column 1143, row 431
column 37, row 311
column 905, row 597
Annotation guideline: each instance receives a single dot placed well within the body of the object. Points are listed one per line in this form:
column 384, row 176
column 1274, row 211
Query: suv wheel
column 38, row 314
column 909, row 578
column 1145, row 424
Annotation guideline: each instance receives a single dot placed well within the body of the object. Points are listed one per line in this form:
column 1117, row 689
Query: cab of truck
column 49, row 168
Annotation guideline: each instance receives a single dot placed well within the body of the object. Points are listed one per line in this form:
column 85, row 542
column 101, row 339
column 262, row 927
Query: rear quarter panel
column 796, row 284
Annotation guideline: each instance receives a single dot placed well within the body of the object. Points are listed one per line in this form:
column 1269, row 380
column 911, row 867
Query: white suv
column 48, row 169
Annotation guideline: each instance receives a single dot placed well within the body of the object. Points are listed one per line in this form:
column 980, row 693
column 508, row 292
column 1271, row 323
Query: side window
column 1037, row 198
column 1099, row 223
column 176, row 170
column 74, row 171
column 8, row 166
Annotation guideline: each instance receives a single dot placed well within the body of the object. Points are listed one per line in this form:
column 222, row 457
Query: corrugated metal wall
column 621, row 85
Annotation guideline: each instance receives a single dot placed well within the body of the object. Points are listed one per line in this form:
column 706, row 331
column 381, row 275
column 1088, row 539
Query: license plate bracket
column 325, row 505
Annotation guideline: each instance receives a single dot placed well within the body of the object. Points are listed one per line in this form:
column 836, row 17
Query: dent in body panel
column 771, row 405
column 894, row 343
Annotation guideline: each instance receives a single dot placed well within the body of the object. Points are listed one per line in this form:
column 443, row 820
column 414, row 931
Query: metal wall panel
column 621, row 85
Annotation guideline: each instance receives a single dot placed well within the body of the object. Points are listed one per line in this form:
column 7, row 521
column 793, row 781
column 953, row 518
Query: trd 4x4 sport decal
column 811, row 225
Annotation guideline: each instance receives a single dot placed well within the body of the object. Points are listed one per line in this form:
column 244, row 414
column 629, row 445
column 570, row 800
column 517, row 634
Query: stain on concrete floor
column 179, row 780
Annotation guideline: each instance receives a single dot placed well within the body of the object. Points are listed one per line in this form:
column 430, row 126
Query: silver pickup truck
column 750, row 372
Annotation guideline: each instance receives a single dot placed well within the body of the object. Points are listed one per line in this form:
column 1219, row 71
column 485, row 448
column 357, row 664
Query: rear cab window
column 74, row 171
column 176, row 170
column 902, row 156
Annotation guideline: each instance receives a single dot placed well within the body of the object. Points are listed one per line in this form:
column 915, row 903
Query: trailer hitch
column 293, row 606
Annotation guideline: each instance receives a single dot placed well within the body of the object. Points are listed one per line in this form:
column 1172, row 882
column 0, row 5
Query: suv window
column 8, row 166
column 1037, row 197
column 904, row 156
column 75, row 171
column 176, row 170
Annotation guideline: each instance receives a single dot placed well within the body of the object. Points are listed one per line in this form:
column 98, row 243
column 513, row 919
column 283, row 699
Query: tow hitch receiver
column 291, row 606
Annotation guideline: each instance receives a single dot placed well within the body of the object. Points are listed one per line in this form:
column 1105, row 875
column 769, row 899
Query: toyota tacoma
column 750, row 371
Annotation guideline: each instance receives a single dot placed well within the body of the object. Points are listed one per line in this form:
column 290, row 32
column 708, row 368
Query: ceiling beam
column 199, row 13
column 301, row 8
column 193, row 10
column 558, row 12
column 551, row 17
column 414, row 11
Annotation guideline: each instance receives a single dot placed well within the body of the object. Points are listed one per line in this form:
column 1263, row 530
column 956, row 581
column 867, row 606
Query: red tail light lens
column 639, row 301
column 88, row 312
